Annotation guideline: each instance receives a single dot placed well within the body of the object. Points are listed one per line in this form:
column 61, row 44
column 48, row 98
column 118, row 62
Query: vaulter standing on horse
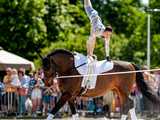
column 97, row 30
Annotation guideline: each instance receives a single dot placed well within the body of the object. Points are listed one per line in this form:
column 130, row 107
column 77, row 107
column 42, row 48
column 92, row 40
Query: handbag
column 23, row 91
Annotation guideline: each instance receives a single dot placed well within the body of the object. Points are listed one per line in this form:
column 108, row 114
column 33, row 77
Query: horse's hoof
column 105, row 118
column 75, row 117
column 50, row 117
column 124, row 117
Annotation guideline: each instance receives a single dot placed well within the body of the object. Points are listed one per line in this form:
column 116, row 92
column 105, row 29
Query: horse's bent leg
column 63, row 99
column 75, row 115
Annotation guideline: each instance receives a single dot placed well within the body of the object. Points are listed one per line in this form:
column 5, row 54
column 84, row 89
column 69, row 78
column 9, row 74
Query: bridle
column 56, row 67
column 52, row 65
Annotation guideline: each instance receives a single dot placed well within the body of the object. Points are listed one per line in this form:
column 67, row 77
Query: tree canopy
column 26, row 25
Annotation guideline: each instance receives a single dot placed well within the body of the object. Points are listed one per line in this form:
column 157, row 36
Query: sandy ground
column 144, row 117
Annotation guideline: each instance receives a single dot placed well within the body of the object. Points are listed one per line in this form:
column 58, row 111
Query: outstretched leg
column 63, row 99
column 92, row 14
column 87, row 3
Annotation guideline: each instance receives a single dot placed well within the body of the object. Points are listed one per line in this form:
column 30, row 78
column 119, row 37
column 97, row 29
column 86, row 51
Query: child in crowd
column 46, row 100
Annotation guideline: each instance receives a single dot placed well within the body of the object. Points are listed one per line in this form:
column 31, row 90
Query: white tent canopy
column 8, row 59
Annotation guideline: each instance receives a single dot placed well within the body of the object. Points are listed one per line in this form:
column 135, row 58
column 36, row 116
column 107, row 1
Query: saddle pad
column 101, row 66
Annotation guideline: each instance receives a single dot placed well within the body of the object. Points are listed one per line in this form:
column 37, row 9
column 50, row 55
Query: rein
column 81, row 65
column 72, row 68
column 54, row 65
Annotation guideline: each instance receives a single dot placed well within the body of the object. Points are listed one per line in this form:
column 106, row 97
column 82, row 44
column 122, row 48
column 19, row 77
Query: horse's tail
column 144, row 88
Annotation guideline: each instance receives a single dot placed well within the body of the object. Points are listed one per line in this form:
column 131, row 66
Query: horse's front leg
column 63, row 99
column 75, row 115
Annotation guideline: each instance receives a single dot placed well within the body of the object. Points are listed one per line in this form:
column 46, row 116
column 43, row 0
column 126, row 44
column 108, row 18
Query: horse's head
column 49, row 73
column 55, row 64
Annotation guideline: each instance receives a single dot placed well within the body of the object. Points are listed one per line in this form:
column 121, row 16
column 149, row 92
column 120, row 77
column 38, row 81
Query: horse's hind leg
column 75, row 115
column 128, row 107
column 63, row 99
column 132, row 113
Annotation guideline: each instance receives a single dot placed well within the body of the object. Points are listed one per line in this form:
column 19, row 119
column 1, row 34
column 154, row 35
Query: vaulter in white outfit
column 97, row 30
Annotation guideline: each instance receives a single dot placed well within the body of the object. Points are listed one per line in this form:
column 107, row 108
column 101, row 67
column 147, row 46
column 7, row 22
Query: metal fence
column 9, row 104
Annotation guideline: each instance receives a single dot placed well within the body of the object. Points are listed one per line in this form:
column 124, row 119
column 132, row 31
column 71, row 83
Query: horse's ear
column 72, row 1
column 37, row 49
column 46, row 62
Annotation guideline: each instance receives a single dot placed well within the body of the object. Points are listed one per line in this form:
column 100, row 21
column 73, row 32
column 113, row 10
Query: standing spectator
column 1, row 96
column 91, row 105
column 36, row 94
column 157, row 89
column 55, row 94
column 50, row 95
column 32, row 82
column 15, row 79
column 46, row 99
column 9, row 89
column 138, row 99
column 15, row 84
column 157, row 82
column 79, row 103
column 99, row 105
column 23, row 90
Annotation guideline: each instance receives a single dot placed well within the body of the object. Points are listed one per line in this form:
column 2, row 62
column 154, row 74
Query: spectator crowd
column 22, row 94
column 26, row 94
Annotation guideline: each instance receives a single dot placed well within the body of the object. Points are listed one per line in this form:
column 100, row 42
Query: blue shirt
column 25, row 81
column 1, row 87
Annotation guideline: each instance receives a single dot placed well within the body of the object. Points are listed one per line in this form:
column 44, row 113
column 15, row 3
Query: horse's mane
column 57, row 51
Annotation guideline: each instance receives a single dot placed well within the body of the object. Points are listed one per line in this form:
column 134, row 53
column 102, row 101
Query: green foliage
column 53, row 24
column 22, row 26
